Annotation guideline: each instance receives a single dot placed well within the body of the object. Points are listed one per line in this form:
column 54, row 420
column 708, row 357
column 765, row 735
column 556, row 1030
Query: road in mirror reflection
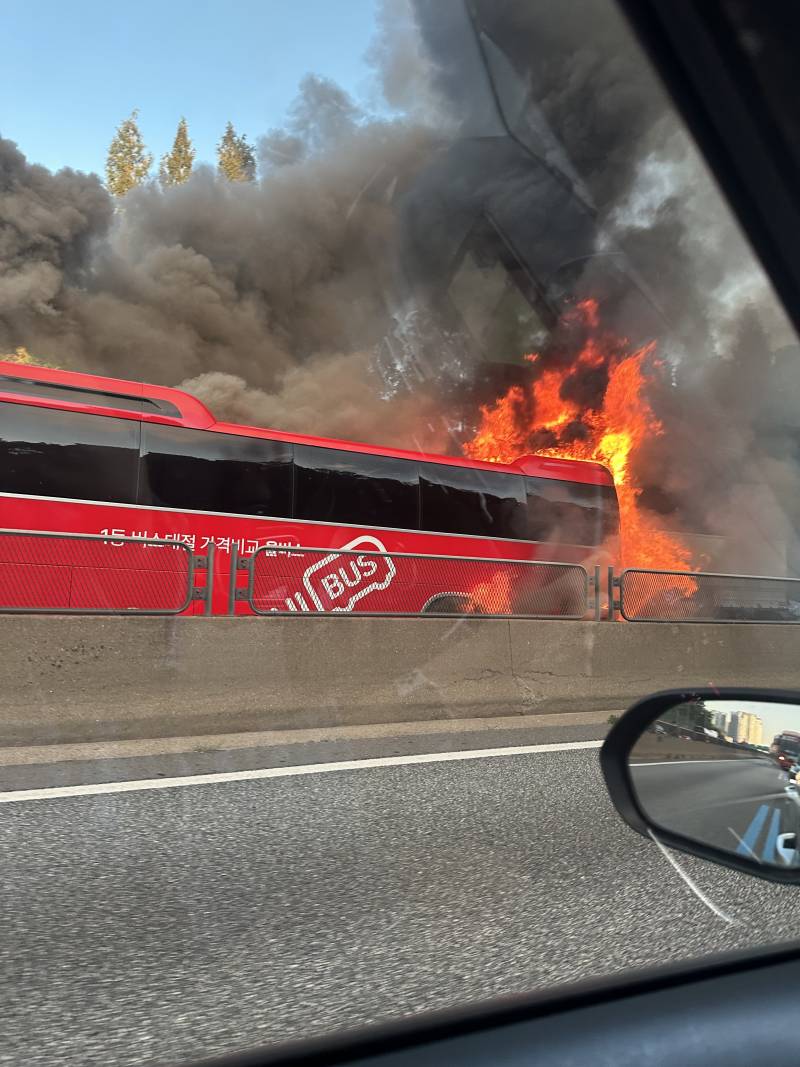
column 724, row 773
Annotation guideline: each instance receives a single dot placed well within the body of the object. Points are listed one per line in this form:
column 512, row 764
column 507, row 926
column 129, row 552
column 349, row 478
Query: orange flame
column 492, row 597
column 610, row 434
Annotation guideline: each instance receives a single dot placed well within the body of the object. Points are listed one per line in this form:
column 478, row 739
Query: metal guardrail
column 66, row 573
column 93, row 574
column 302, row 580
column 678, row 596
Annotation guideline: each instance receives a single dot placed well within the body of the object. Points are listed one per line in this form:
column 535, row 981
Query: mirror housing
column 698, row 812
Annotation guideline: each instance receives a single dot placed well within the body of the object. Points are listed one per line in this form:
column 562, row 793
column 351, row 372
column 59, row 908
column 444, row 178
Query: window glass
column 478, row 502
column 463, row 233
column 572, row 512
column 203, row 471
column 499, row 303
column 44, row 452
column 351, row 487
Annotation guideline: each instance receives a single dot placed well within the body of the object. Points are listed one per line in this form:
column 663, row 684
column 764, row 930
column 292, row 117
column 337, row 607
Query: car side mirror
column 715, row 773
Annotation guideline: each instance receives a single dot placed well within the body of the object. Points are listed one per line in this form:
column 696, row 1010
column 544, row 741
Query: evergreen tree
column 176, row 165
column 235, row 157
column 127, row 162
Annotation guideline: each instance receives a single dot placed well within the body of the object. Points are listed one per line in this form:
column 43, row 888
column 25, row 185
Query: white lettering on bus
column 332, row 586
column 327, row 580
column 246, row 546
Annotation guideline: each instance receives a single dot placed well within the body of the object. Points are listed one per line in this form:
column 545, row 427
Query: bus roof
column 162, row 404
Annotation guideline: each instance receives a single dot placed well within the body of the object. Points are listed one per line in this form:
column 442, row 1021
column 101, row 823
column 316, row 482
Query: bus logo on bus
column 336, row 583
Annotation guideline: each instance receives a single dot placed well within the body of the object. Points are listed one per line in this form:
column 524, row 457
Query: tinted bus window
column 573, row 512
column 334, row 486
column 45, row 452
column 483, row 503
column 200, row 471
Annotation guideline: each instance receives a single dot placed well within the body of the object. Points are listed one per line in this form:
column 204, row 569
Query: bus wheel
column 451, row 604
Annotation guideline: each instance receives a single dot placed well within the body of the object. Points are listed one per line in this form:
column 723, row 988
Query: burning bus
column 90, row 455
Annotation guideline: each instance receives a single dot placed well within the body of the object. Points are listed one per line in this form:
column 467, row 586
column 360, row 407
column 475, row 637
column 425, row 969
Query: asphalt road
column 740, row 805
column 150, row 927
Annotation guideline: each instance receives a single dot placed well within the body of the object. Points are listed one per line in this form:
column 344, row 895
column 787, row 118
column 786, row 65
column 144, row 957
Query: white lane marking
column 695, row 888
column 743, row 844
column 689, row 762
column 17, row 796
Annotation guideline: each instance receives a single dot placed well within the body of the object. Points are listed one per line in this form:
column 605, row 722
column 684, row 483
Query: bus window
column 468, row 501
column 574, row 512
column 355, row 487
column 201, row 471
column 47, row 452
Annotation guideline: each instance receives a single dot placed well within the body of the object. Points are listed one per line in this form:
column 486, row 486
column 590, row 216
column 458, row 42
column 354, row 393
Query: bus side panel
column 408, row 589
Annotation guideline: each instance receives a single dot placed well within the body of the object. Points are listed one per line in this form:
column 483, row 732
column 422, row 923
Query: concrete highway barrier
column 66, row 679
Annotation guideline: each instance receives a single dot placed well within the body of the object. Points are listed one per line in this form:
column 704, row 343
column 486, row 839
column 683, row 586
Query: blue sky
column 73, row 71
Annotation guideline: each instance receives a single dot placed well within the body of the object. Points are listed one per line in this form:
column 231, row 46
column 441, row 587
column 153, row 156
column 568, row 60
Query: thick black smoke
column 351, row 290
column 727, row 462
column 48, row 226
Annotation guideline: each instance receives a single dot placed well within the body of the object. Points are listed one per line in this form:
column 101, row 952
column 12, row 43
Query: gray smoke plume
column 48, row 223
column 727, row 462
column 323, row 298
column 267, row 282
column 336, row 391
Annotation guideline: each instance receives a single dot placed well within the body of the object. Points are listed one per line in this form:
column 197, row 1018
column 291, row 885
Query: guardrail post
column 236, row 595
column 612, row 606
column 208, row 606
column 597, row 612
column 206, row 563
column 231, row 608
column 243, row 595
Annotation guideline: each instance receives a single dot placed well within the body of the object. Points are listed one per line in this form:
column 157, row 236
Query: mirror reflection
column 725, row 773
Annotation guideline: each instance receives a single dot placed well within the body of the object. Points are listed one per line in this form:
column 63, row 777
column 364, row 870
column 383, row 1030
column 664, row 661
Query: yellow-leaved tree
column 127, row 162
column 235, row 157
column 176, row 165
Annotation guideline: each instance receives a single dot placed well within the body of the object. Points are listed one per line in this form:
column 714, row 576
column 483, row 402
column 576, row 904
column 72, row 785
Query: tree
column 176, row 165
column 235, row 157
column 692, row 715
column 702, row 716
column 127, row 162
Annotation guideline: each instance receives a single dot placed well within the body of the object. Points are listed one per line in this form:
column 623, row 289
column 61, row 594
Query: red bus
column 86, row 454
